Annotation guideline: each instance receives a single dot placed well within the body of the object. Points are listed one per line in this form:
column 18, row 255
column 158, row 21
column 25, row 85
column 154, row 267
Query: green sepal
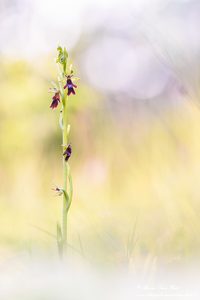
column 61, row 121
column 54, row 84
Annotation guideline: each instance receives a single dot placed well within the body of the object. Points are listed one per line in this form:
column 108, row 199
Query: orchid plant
column 62, row 90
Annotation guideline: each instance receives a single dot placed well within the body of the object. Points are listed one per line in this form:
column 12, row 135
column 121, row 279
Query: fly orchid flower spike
column 67, row 152
column 62, row 89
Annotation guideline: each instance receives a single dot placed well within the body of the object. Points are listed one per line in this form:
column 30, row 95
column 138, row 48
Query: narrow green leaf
column 59, row 233
column 59, row 240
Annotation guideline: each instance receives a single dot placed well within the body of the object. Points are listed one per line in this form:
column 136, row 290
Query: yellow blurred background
column 135, row 126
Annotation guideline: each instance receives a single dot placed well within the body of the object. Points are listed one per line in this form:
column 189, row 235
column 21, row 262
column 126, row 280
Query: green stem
column 65, row 176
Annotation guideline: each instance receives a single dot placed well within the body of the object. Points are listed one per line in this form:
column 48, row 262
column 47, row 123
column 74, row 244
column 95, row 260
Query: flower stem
column 65, row 178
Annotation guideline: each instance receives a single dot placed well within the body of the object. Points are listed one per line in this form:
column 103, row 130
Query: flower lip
column 70, row 86
column 67, row 152
column 56, row 100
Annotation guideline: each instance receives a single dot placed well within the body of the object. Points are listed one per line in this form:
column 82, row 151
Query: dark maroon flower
column 67, row 152
column 69, row 84
column 56, row 100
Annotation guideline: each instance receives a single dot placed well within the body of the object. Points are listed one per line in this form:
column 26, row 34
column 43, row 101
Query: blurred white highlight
column 77, row 280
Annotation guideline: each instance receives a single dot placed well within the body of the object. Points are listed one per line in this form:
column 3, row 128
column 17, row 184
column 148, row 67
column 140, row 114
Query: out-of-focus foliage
column 130, row 171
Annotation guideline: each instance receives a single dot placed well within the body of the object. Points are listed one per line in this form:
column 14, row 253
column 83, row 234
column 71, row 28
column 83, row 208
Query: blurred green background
column 136, row 159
